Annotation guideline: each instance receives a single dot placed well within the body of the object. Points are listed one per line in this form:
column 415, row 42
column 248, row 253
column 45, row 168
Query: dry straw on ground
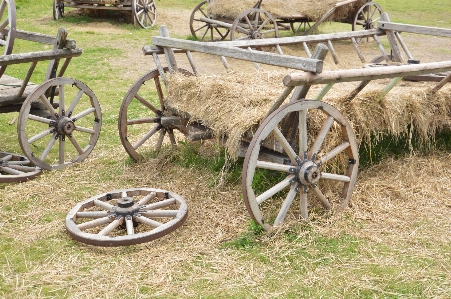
column 314, row 10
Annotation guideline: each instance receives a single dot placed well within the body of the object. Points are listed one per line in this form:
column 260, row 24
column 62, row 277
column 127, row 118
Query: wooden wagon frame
column 301, row 161
column 256, row 22
column 144, row 12
column 46, row 117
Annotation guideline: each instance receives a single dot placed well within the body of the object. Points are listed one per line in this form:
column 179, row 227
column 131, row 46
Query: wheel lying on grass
column 126, row 217
column 202, row 27
column 321, row 159
column 144, row 12
column 7, row 22
column 55, row 134
column 15, row 168
column 140, row 116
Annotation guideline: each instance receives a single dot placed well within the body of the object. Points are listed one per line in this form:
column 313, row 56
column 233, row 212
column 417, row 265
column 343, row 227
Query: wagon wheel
column 281, row 164
column 15, row 168
column 58, row 9
column 202, row 27
column 140, row 126
column 126, row 217
column 254, row 23
column 367, row 16
column 144, row 12
column 7, row 28
column 46, row 125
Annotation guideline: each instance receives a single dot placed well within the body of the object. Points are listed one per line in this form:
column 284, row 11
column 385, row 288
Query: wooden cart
column 144, row 12
column 59, row 120
column 257, row 22
column 283, row 144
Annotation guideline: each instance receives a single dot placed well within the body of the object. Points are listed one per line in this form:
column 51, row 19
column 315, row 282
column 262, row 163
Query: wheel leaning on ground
column 200, row 26
column 299, row 160
column 367, row 16
column 58, row 9
column 144, row 12
column 59, row 123
column 15, row 168
column 254, row 23
column 7, row 23
column 126, row 217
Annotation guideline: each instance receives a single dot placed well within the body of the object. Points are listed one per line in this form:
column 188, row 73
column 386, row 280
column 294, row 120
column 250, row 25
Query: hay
column 311, row 9
column 235, row 103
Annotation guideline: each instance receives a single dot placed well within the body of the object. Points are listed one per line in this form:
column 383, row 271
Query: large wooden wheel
column 202, row 25
column 15, row 168
column 58, row 9
column 367, row 16
column 282, row 164
column 144, row 12
column 254, row 23
column 7, row 28
column 59, row 123
column 141, row 114
column 126, row 217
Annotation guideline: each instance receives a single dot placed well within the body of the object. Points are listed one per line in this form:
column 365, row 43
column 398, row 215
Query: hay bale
column 313, row 9
column 234, row 103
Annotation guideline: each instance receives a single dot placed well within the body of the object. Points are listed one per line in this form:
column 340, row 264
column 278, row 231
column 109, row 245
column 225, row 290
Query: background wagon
column 143, row 11
column 216, row 19
column 59, row 121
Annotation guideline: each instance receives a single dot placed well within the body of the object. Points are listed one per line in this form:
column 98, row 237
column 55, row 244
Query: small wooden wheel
column 126, row 217
column 282, row 163
column 59, row 109
column 140, row 116
column 15, row 168
column 144, row 12
column 7, row 28
column 202, row 26
column 367, row 16
column 58, row 9
column 254, row 23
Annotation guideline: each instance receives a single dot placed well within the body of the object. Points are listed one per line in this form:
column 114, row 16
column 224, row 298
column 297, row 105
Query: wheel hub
column 65, row 126
column 307, row 173
column 256, row 35
column 126, row 207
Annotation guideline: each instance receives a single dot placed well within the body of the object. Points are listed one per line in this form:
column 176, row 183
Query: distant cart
column 257, row 22
column 143, row 11
column 59, row 120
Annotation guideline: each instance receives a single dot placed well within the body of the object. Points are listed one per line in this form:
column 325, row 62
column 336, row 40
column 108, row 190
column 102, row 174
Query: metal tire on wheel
column 16, row 169
column 201, row 27
column 144, row 12
column 254, row 23
column 55, row 134
column 126, row 217
column 58, row 9
column 8, row 23
column 141, row 113
column 294, row 151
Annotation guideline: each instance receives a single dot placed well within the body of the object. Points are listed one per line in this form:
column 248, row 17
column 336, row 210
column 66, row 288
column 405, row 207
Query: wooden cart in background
column 144, row 12
column 257, row 22
column 59, row 120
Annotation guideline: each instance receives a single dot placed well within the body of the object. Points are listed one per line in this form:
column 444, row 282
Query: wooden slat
column 38, row 56
column 414, row 29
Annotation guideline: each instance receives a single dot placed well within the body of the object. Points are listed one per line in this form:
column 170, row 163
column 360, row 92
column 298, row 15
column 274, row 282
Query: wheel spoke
column 275, row 189
column 76, row 145
column 40, row 135
column 274, row 166
column 85, row 130
column 21, row 167
column 320, row 197
column 129, row 225
column 61, row 99
column 103, row 205
column 61, row 149
column 303, row 146
column 146, row 199
column 49, row 147
column 304, row 201
column 83, row 113
column 147, row 136
column 160, row 139
column 159, row 213
column 286, row 205
column 48, row 106
column 285, row 145
column 263, row 24
column 160, row 204
column 39, row 119
column 93, row 214
column 328, row 156
column 10, row 170
column 147, row 104
column 94, row 223
column 320, row 138
column 335, row 177
column 172, row 137
column 112, row 226
column 147, row 221
column 6, row 158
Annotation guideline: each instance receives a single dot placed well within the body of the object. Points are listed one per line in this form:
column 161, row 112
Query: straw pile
column 234, row 103
column 312, row 9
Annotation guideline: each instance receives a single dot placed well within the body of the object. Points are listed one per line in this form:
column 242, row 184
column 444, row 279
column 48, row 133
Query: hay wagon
column 303, row 145
column 217, row 19
column 59, row 120
column 144, row 12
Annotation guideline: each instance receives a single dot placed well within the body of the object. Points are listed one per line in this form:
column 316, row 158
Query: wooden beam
column 38, row 56
column 414, row 29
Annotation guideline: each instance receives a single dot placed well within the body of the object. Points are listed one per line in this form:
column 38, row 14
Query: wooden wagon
column 59, row 120
column 144, row 12
column 306, row 145
column 258, row 22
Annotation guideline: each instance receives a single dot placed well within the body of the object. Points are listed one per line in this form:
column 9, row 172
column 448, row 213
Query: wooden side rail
column 42, row 38
column 414, row 29
column 39, row 56
column 370, row 73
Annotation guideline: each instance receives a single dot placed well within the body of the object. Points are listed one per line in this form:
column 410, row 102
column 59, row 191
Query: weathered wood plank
column 305, row 64
column 38, row 56
column 370, row 73
column 42, row 38
column 414, row 29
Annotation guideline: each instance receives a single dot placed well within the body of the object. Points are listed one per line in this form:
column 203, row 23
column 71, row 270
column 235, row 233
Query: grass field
column 393, row 241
